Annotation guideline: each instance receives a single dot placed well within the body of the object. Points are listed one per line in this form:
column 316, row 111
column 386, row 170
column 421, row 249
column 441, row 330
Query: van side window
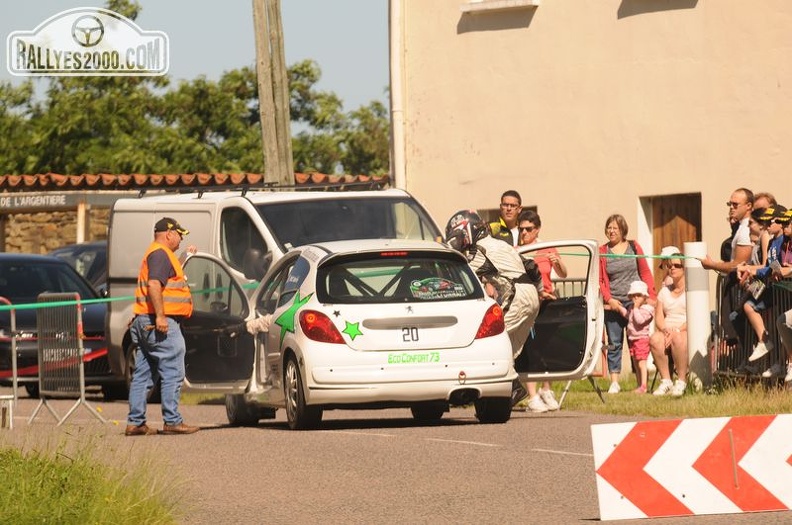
column 238, row 234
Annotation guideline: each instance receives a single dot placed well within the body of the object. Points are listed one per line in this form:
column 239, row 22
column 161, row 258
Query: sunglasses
column 733, row 204
column 678, row 266
column 528, row 229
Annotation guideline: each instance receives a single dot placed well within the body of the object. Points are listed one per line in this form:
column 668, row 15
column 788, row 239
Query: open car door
column 567, row 337
column 220, row 351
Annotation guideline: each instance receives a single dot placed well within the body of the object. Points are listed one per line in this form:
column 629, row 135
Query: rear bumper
column 383, row 384
column 398, row 395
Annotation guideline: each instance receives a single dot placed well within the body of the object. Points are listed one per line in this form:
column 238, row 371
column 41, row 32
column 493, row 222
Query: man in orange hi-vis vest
column 162, row 302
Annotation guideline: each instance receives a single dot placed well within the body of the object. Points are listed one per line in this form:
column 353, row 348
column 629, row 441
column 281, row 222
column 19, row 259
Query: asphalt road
column 361, row 467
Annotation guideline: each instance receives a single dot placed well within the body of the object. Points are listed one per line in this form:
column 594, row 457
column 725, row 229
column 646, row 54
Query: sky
column 347, row 38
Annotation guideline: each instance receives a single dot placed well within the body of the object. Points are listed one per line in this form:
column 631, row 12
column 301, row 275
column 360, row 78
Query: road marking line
column 477, row 443
column 357, row 433
column 563, row 453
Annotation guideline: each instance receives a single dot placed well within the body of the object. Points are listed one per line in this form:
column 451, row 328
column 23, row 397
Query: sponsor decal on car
column 405, row 358
column 436, row 288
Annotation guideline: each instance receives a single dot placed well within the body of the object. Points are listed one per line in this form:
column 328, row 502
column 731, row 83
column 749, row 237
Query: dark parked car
column 22, row 279
column 89, row 259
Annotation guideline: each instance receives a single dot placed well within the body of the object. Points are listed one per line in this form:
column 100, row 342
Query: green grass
column 192, row 398
column 723, row 399
column 71, row 485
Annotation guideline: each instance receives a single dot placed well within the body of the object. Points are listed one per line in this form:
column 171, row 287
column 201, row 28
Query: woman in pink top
column 671, row 330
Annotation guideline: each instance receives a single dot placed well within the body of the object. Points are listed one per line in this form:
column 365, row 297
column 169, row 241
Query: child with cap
column 754, row 279
column 639, row 317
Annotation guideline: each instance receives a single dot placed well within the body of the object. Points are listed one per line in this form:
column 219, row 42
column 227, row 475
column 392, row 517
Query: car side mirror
column 255, row 264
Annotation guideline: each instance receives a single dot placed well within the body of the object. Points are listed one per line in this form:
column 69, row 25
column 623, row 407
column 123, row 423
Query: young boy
column 639, row 317
column 756, row 304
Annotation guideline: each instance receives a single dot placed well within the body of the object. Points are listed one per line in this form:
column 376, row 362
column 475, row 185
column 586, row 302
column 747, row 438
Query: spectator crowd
column 748, row 329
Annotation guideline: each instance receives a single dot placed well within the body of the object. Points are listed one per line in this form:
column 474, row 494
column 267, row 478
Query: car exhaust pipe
column 463, row 396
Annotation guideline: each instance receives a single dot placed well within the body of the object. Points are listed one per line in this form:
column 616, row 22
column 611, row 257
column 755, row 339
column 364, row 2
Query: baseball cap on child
column 774, row 212
column 668, row 251
column 638, row 288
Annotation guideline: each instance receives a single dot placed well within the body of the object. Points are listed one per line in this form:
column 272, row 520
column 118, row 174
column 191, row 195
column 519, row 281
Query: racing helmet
column 464, row 229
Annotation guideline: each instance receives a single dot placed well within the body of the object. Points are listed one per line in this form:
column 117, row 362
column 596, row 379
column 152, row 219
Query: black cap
column 167, row 224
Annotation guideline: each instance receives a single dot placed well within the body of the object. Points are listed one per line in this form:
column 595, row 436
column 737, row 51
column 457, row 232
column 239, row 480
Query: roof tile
column 133, row 181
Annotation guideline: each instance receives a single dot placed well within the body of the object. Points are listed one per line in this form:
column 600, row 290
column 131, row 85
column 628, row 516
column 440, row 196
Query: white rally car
column 365, row 323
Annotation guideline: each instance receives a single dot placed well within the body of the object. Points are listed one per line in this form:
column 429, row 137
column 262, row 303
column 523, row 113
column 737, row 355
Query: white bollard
column 698, row 315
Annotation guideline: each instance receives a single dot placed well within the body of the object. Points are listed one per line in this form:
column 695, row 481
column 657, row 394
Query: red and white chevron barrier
column 683, row 467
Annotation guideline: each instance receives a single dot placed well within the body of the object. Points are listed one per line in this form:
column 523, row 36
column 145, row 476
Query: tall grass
column 72, row 484
column 725, row 399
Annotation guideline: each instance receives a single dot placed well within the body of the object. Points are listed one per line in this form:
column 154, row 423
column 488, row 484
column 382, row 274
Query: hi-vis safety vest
column 176, row 297
column 499, row 230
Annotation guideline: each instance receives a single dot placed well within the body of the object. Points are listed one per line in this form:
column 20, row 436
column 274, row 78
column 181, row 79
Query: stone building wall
column 42, row 232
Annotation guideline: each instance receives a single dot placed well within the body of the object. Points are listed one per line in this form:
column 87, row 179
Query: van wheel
column 115, row 392
column 299, row 415
column 493, row 409
column 32, row 390
column 131, row 354
column 239, row 412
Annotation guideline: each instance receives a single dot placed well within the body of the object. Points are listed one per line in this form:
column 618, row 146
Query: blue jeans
column 615, row 324
column 160, row 356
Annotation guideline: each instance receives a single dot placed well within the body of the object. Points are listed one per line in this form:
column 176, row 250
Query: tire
column 428, row 412
column 299, row 415
column 32, row 390
column 154, row 392
column 493, row 409
column 115, row 392
column 241, row 413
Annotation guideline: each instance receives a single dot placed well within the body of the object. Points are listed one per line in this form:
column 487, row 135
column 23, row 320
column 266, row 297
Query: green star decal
column 352, row 330
column 286, row 319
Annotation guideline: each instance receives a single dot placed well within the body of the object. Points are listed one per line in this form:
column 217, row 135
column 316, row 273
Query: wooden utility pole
column 273, row 88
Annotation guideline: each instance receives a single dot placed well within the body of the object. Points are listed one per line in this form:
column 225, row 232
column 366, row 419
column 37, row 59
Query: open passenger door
column 220, row 351
column 567, row 336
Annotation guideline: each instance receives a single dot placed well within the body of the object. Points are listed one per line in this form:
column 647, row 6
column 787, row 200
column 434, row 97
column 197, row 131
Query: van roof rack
column 272, row 186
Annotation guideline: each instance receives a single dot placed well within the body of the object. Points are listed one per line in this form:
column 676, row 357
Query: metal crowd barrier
column 8, row 401
column 60, row 353
column 729, row 356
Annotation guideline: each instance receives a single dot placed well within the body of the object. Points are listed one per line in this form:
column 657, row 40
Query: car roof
column 31, row 258
column 325, row 249
column 81, row 246
column 261, row 196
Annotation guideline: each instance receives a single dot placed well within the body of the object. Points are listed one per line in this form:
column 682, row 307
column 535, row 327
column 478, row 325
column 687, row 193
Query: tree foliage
column 145, row 125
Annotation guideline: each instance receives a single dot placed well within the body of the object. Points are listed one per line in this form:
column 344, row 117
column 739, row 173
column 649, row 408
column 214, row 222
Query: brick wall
column 42, row 232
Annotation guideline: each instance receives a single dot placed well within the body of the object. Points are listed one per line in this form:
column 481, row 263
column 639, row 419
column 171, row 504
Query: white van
column 248, row 229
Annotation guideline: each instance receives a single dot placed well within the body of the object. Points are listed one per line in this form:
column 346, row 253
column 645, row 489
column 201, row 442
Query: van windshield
column 310, row 221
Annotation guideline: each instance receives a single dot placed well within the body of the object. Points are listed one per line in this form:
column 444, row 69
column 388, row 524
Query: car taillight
column 492, row 324
column 318, row 327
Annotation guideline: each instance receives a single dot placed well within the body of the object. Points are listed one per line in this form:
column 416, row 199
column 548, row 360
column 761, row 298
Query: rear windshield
column 307, row 222
column 402, row 278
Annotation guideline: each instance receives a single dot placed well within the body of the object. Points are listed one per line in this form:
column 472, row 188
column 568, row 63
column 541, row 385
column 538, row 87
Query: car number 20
column 410, row 334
